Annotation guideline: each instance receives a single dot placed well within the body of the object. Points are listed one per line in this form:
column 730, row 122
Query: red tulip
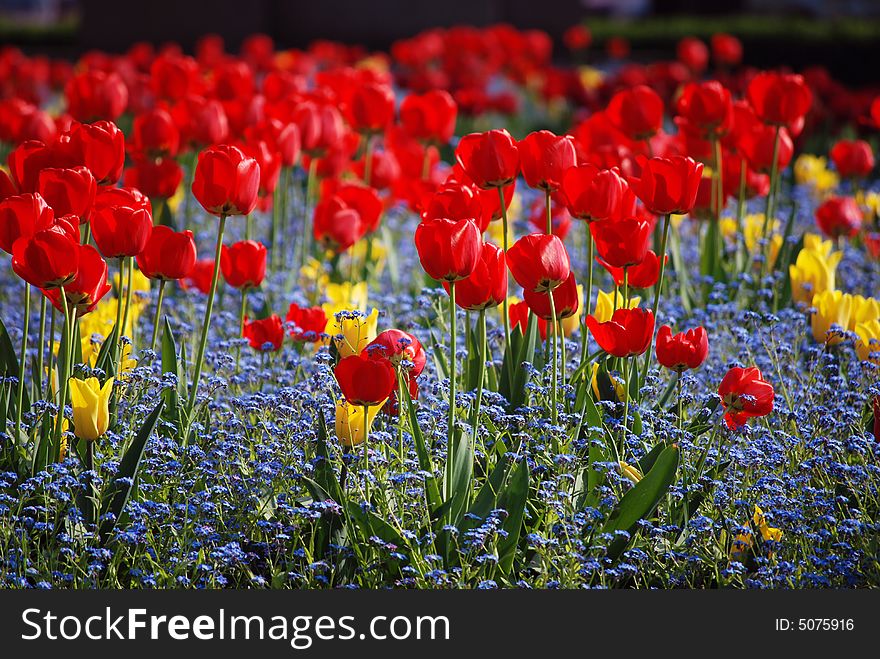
column 628, row 333
column 88, row 286
column 565, row 300
column 320, row 127
column 693, row 53
column 309, row 322
column 490, row 159
column 48, row 258
column 622, row 243
column 682, row 351
column 757, row 147
column 93, row 95
column 839, row 216
column 371, row 107
column 448, row 250
column 155, row 135
column 643, row 275
column 200, row 276
column 107, row 197
column 121, row 230
column 545, row 157
column 597, row 194
column 456, row 201
column 264, row 334
column 365, row 381
column 68, row 191
column 539, row 262
column 637, row 112
column 577, row 37
column 745, row 394
column 21, row 216
column 168, row 254
column 173, row 76
column 668, row 185
column 486, row 286
column 244, row 264
column 226, row 181
column 100, row 147
column 345, row 216
column 706, row 108
column 852, row 158
column 269, row 163
column 155, row 178
column 727, row 50
column 397, row 346
column 201, row 121
column 384, row 169
column 429, row 117
column 779, row 99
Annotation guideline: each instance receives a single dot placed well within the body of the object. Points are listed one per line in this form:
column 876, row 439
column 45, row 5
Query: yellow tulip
column 346, row 296
column 864, row 309
column 605, row 305
column 352, row 331
column 831, row 308
column 753, row 231
column 813, row 171
column 811, row 274
column 377, row 254
column 868, row 344
column 350, row 421
column 816, row 243
column 91, row 403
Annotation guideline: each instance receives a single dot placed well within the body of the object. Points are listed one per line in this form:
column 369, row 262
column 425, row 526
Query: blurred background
column 843, row 35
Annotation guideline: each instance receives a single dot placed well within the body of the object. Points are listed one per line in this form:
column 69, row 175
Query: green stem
column 554, row 383
column 549, row 212
column 657, row 291
column 367, row 453
column 678, row 386
column 450, row 439
column 158, row 316
column 505, row 310
column 368, row 160
column 206, row 325
column 119, row 329
column 22, row 367
column 771, row 198
column 588, row 295
column 125, row 312
column 63, row 376
column 481, row 325
column 42, row 343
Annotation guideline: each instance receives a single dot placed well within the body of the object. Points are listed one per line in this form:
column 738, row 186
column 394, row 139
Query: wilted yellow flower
column 616, row 383
column 605, row 305
column 831, row 308
column 91, row 407
column 868, row 344
column 864, row 309
column 350, row 421
column 767, row 531
column 812, row 274
column 352, row 331
column 630, row 471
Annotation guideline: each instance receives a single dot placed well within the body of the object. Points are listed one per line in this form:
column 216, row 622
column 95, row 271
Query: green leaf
column 171, row 396
column 462, row 474
column 513, row 500
column 641, row 500
column 116, row 495
column 432, row 489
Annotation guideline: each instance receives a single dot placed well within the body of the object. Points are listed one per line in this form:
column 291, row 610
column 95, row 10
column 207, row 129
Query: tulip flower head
column 745, row 394
column 668, row 185
column 637, row 112
column 264, row 334
column 682, row 351
column 622, row 243
column 243, row 264
column 398, row 347
column 168, row 254
column 365, row 381
column 226, row 182
column 539, row 262
column 490, row 159
column 628, row 333
column 545, row 157
column 486, row 286
column 91, row 407
column 448, row 250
